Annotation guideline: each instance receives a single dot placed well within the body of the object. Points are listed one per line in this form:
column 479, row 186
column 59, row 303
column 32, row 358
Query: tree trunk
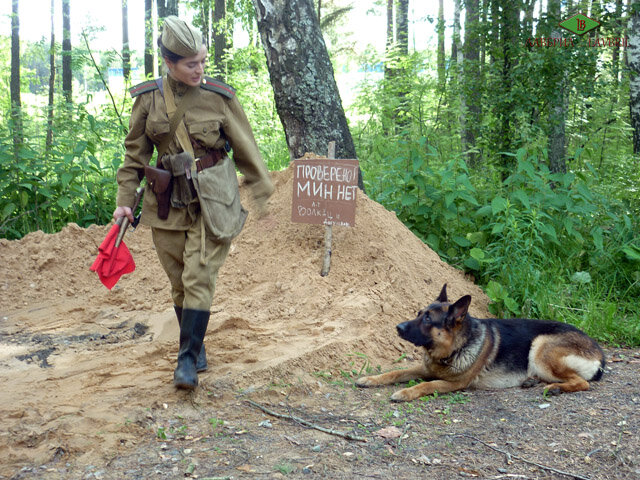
column 166, row 8
column 301, row 73
column 402, row 27
column 527, row 24
column 615, row 54
column 442, row 74
column 52, row 82
column 66, row 52
column 401, row 114
column 205, row 11
column 126, row 54
column 16, row 103
column 148, row 38
column 633, row 59
column 455, row 41
column 556, row 146
column 495, row 31
column 220, row 39
column 509, row 25
column 470, row 80
column 390, row 39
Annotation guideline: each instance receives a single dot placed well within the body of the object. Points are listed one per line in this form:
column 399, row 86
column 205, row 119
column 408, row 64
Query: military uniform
column 190, row 257
column 216, row 110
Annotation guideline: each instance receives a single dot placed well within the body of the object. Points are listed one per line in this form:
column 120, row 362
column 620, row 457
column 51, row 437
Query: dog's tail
column 599, row 372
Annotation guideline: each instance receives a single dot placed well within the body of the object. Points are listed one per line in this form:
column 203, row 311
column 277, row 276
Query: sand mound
column 78, row 362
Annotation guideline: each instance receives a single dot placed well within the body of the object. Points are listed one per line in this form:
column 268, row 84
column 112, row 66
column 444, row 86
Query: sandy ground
column 79, row 364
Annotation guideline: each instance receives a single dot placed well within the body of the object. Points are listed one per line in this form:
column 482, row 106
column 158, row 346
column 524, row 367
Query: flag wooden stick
column 328, row 230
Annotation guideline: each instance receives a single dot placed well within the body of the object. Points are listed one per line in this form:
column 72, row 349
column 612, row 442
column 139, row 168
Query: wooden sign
column 324, row 191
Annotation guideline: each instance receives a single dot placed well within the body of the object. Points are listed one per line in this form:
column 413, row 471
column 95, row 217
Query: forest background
column 513, row 155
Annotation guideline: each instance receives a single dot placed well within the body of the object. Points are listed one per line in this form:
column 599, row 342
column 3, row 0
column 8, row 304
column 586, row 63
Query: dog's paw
column 366, row 382
column 404, row 395
column 552, row 391
column 530, row 382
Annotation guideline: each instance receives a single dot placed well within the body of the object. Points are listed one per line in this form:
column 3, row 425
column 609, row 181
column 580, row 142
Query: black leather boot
column 193, row 326
column 201, row 363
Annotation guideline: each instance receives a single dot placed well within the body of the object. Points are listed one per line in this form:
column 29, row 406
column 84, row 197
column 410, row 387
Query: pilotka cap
column 181, row 38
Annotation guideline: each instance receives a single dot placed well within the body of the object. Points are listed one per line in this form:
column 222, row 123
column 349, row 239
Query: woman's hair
column 166, row 53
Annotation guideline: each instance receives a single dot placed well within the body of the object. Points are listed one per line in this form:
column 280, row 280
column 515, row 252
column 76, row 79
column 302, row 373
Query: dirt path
column 86, row 372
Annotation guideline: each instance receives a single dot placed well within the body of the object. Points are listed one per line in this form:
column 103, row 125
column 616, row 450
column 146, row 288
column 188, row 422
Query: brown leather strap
column 210, row 159
column 187, row 101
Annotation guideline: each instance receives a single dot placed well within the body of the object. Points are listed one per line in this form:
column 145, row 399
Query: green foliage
column 537, row 232
column 73, row 182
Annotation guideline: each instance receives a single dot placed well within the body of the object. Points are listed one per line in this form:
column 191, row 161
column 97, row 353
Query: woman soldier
column 212, row 121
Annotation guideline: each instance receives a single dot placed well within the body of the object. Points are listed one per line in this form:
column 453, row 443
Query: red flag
column 112, row 262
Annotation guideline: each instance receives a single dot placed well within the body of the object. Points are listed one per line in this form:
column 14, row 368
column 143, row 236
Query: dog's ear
column 442, row 298
column 458, row 311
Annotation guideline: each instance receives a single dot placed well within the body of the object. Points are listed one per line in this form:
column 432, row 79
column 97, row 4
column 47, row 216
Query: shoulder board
column 143, row 87
column 217, row 86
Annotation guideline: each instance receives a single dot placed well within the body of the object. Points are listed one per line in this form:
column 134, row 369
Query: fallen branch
column 301, row 421
column 509, row 456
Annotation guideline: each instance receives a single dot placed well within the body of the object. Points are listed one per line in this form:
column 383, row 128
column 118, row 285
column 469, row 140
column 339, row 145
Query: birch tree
column 301, row 73
column 16, row 103
column 442, row 74
column 470, row 81
column 126, row 53
column 220, row 44
column 52, row 82
column 633, row 59
column 66, row 52
column 148, row 38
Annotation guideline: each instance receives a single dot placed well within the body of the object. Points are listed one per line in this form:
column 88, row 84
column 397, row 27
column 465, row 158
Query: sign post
column 324, row 193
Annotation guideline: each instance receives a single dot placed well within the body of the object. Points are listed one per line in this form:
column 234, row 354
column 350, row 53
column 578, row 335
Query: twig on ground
column 510, row 455
column 301, row 421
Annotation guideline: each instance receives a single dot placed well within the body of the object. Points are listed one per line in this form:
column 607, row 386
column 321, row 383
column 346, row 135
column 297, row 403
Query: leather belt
column 210, row 159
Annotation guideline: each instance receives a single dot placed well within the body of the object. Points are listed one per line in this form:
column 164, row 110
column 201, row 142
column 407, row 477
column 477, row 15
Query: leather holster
column 161, row 183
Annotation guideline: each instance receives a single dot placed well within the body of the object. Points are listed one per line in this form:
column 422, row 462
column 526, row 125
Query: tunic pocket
column 206, row 133
column 157, row 130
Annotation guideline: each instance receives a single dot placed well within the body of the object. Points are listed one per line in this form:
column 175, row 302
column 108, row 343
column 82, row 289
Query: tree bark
column 148, row 38
column 67, row 78
column 301, row 73
column 52, row 82
column 633, row 59
column 509, row 26
column 390, row 39
column 556, row 146
column 401, row 51
column 166, row 8
column 402, row 27
column 615, row 54
column 442, row 74
column 16, row 103
column 527, row 24
column 455, row 41
column 126, row 53
column 470, row 80
column 220, row 39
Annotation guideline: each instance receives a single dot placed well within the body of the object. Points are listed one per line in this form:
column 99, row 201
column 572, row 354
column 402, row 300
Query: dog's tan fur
column 461, row 351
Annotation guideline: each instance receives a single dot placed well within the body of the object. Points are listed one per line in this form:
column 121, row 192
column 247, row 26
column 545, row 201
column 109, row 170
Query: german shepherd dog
column 461, row 351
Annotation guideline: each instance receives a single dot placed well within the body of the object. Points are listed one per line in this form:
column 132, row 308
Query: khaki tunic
column 149, row 124
column 190, row 259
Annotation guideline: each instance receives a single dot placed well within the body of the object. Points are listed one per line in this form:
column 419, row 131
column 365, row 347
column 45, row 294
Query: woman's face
column 189, row 70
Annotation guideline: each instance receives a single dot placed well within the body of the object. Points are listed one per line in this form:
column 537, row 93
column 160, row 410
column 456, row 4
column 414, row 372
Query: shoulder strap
column 176, row 118
column 217, row 86
column 143, row 87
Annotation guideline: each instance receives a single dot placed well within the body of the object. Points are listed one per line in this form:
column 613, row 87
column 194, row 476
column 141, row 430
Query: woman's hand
column 123, row 212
